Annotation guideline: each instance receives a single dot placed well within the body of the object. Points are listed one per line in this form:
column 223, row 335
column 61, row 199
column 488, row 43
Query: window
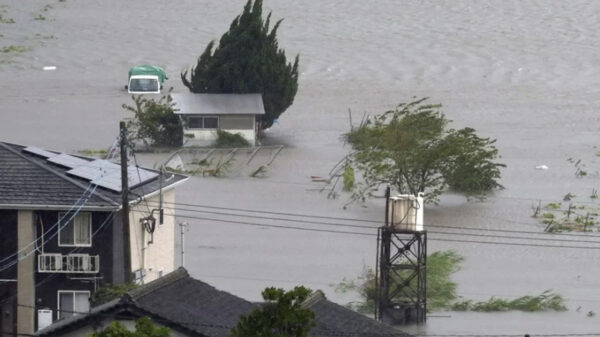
column 72, row 303
column 204, row 122
column 75, row 231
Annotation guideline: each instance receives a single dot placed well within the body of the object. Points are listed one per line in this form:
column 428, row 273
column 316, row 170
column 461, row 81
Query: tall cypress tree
column 248, row 60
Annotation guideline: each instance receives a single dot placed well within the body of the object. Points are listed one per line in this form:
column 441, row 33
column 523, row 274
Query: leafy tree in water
column 441, row 290
column 155, row 122
column 281, row 316
column 412, row 149
column 143, row 328
column 248, row 60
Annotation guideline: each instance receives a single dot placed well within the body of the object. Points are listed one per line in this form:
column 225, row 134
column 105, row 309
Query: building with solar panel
column 61, row 232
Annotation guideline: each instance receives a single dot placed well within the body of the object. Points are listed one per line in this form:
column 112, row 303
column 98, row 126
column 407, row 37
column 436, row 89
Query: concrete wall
column 156, row 258
column 25, row 274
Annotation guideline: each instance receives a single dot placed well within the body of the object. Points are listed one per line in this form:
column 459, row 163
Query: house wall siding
column 156, row 258
column 50, row 283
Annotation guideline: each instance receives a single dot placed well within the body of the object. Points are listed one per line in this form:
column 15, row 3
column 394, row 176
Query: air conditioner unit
column 405, row 212
column 44, row 318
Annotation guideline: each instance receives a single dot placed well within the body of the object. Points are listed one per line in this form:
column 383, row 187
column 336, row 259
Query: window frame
column 74, row 312
column 63, row 215
column 202, row 117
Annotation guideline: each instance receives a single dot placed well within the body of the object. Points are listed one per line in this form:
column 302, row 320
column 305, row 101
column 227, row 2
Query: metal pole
column 182, row 226
column 125, row 204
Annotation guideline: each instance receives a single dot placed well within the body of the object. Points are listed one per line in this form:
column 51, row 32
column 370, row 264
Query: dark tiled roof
column 29, row 180
column 192, row 304
column 335, row 320
column 181, row 302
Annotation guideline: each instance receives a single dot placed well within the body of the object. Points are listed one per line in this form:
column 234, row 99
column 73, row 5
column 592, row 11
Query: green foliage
column 412, row 149
column 281, row 316
column 6, row 20
column 40, row 17
column 349, row 179
column 15, row 49
column 155, row 122
column 227, row 139
column 543, row 302
column 109, row 293
column 248, row 60
column 143, row 328
column 441, row 290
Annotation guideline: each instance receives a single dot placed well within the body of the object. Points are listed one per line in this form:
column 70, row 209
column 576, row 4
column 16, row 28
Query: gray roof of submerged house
column 175, row 300
column 219, row 104
column 29, row 179
column 335, row 320
column 198, row 309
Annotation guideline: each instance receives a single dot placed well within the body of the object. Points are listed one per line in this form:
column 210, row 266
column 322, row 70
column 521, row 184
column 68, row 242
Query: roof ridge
column 61, row 176
column 174, row 276
column 315, row 297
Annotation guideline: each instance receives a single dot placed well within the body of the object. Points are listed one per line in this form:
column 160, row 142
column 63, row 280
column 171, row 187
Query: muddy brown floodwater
column 523, row 72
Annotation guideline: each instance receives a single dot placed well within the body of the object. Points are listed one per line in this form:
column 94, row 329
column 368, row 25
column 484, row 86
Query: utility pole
column 183, row 227
column 125, row 203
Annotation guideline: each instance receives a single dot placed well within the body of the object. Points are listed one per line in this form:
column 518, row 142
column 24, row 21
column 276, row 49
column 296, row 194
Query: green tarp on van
column 149, row 70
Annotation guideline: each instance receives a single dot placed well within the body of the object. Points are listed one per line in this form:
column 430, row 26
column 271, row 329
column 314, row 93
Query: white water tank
column 44, row 318
column 406, row 212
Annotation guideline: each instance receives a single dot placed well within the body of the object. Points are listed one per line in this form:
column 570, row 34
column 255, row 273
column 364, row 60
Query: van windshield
column 143, row 85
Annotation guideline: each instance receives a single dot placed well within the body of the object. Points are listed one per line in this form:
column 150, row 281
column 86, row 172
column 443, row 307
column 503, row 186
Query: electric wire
column 429, row 231
column 83, row 199
column 373, row 234
column 588, row 235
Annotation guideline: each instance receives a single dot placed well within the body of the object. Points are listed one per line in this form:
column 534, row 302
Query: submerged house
column 204, row 114
column 61, row 232
column 192, row 308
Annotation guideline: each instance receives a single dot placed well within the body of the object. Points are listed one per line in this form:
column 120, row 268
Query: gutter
column 155, row 193
column 56, row 207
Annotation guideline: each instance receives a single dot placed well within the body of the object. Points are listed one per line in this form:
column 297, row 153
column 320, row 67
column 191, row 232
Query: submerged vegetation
column 227, row 139
column 441, row 291
column 155, row 122
column 572, row 213
column 412, row 149
column 542, row 302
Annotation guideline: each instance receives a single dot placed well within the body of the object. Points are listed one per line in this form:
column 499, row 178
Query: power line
column 373, row 234
column 352, row 219
column 435, row 226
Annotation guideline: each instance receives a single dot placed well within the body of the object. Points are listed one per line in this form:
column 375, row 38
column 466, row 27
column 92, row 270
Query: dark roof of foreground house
column 219, row 104
column 195, row 308
column 335, row 320
column 175, row 300
column 34, row 178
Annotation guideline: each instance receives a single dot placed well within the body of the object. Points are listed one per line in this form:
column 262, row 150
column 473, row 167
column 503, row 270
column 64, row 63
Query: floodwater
column 522, row 72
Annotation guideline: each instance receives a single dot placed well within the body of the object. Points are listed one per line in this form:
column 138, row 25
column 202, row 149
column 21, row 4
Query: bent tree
column 248, row 60
column 412, row 149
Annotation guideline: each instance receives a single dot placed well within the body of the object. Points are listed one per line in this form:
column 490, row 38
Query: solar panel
column 138, row 175
column 112, row 179
column 39, row 152
column 67, row 160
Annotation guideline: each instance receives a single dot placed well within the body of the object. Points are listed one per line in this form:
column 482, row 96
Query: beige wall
column 25, row 274
column 158, row 257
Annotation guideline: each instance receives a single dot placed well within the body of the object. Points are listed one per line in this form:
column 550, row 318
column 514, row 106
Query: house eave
column 57, row 207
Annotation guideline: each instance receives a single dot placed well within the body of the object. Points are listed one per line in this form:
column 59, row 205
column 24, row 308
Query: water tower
column 402, row 262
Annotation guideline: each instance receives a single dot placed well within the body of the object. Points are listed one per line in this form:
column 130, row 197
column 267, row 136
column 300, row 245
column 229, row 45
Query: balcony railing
column 72, row 263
